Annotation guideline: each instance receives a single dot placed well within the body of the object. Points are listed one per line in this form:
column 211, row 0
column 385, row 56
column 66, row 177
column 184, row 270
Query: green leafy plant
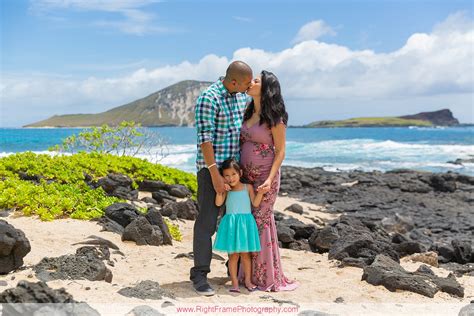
column 62, row 191
column 174, row 230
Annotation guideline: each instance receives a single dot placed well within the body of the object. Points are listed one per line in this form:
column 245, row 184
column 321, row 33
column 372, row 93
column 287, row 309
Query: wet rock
column 146, row 290
column 143, row 233
column 85, row 264
column 385, row 271
column 14, row 246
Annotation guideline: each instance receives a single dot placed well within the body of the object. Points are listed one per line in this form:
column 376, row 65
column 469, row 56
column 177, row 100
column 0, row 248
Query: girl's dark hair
column 230, row 163
column 272, row 104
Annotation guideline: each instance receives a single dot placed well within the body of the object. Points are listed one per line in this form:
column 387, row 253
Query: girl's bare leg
column 247, row 264
column 233, row 259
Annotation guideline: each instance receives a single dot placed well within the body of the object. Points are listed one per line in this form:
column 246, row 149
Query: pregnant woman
column 262, row 152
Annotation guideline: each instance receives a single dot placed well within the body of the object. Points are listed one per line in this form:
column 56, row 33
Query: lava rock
column 14, row 246
column 143, row 233
column 155, row 218
column 122, row 213
column 385, row 271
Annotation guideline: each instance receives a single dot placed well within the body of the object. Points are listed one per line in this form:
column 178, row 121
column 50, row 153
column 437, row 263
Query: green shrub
column 63, row 193
column 54, row 200
column 174, row 230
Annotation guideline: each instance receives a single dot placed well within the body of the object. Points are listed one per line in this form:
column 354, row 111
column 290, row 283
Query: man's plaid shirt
column 219, row 116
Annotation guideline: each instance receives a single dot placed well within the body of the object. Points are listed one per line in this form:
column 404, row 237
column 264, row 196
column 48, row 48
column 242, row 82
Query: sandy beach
column 321, row 280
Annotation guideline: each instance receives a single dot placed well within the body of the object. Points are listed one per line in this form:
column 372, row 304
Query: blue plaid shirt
column 219, row 116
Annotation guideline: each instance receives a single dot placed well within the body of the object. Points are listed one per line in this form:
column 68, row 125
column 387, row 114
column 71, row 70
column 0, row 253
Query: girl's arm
column 256, row 199
column 279, row 139
column 220, row 198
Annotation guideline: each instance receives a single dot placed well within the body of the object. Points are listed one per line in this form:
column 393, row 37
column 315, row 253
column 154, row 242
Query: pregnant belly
column 256, row 164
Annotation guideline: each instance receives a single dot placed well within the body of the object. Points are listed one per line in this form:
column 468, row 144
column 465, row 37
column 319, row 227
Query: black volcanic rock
column 87, row 263
column 384, row 271
column 29, row 298
column 14, row 246
column 442, row 117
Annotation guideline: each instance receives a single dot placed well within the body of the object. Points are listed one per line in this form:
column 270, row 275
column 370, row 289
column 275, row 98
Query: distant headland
column 174, row 106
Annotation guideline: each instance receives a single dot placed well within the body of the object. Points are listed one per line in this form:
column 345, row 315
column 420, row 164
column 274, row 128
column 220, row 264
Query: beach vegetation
column 58, row 186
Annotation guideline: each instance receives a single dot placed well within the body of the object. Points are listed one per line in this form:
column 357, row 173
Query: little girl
column 237, row 233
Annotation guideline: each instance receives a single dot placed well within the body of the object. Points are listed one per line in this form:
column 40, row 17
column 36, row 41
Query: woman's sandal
column 234, row 290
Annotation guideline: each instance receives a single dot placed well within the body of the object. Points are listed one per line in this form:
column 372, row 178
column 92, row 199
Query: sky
column 335, row 59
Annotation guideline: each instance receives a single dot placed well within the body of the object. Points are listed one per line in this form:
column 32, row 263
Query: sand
column 321, row 280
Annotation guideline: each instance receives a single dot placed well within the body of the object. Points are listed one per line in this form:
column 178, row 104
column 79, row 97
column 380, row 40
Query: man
column 219, row 114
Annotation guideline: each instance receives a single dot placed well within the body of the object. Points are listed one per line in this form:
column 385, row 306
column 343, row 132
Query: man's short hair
column 238, row 70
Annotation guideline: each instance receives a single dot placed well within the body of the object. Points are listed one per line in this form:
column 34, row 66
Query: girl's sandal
column 234, row 290
column 251, row 289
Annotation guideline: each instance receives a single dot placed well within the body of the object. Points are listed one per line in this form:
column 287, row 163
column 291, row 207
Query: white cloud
column 312, row 31
column 134, row 19
column 427, row 66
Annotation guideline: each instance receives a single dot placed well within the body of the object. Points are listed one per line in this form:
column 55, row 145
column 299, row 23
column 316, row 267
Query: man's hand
column 218, row 182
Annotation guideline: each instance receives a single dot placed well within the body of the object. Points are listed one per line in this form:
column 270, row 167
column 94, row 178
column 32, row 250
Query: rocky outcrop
column 171, row 106
column 418, row 209
column 39, row 299
column 14, row 246
column 118, row 185
column 385, row 271
column 442, row 117
column 87, row 263
column 149, row 229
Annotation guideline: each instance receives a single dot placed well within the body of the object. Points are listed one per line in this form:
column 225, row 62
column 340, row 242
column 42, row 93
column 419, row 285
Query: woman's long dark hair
column 272, row 104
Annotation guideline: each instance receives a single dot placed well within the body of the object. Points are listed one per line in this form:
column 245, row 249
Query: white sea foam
column 337, row 155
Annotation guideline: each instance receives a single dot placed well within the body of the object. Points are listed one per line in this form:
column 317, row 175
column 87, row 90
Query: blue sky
column 78, row 56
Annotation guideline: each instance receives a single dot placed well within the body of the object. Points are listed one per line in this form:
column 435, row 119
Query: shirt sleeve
column 206, row 109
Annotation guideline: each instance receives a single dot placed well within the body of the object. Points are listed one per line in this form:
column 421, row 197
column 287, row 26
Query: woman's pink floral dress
column 257, row 154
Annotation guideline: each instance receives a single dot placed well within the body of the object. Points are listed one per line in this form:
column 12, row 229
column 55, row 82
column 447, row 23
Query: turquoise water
column 331, row 148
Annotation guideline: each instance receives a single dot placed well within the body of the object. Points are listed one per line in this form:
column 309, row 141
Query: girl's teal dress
column 237, row 230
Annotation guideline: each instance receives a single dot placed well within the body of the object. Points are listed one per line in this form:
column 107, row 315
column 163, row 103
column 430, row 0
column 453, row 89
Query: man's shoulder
column 211, row 91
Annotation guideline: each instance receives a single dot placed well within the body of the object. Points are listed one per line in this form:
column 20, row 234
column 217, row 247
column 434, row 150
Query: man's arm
column 209, row 158
column 206, row 111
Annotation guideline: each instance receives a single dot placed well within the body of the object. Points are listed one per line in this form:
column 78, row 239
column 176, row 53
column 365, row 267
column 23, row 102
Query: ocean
column 333, row 149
